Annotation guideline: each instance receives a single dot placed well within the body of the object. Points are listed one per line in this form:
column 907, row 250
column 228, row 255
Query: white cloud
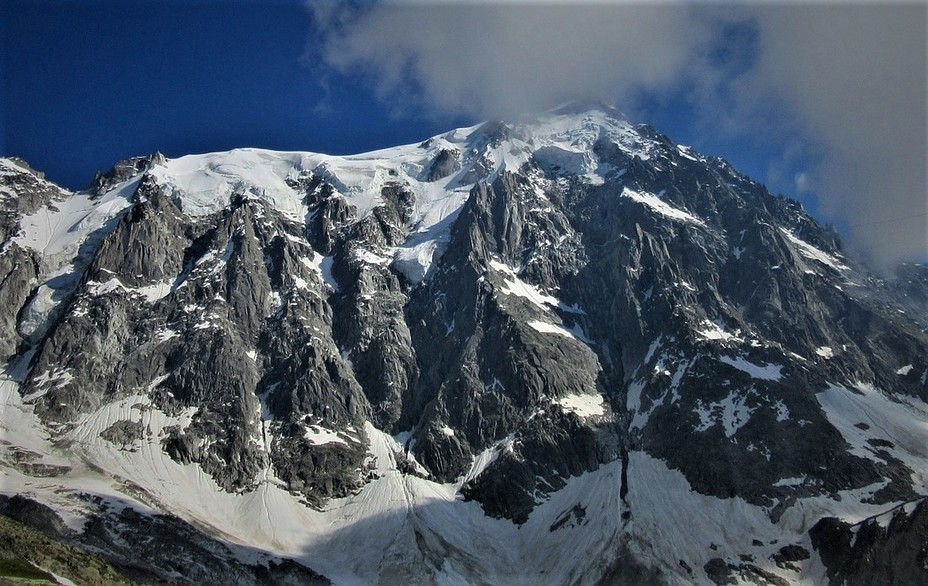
column 802, row 182
column 848, row 79
column 497, row 60
column 855, row 78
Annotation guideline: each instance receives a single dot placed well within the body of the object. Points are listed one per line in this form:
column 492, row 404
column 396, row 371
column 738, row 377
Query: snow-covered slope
column 521, row 352
column 562, row 141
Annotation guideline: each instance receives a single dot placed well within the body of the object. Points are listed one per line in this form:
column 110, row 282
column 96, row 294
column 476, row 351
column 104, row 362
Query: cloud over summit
column 502, row 59
column 850, row 79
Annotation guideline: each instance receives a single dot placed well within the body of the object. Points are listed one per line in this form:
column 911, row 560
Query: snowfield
column 205, row 184
column 405, row 528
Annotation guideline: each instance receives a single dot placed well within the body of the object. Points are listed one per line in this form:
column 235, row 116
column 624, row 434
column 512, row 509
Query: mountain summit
column 564, row 350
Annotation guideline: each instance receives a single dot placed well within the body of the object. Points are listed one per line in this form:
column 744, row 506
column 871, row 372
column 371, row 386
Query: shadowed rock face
column 171, row 547
column 22, row 192
column 890, row 550
column 628, row 294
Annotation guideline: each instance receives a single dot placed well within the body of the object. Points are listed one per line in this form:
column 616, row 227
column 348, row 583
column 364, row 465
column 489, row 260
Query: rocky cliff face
column 543, row 319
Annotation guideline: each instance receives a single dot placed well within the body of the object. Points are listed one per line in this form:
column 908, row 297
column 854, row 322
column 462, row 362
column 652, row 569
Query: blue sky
column 818, row 102
column 86, row 84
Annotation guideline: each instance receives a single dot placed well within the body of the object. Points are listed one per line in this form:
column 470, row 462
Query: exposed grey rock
column 874, row 552
column 123, row 433
column 30, row 464
column 446, row 163
column 720, row 572
column 123, row 171
column 31, row 191
column 693, row 315
column 174, row 551
column 482, row 398
column 229, row 290
column 19, row 269
column 788, row 554
column 329, row 212
column 148, row 247
column 553, row 449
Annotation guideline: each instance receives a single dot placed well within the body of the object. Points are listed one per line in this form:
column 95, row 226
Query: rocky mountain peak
column 538, row 334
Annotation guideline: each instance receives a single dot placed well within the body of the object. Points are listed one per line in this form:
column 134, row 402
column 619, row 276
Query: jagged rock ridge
column 505, row 313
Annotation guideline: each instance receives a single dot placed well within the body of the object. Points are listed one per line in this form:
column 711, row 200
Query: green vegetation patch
column 19, row 571
column 24, row 550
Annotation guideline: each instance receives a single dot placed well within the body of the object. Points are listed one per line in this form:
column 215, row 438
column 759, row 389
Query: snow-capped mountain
column 561, row 350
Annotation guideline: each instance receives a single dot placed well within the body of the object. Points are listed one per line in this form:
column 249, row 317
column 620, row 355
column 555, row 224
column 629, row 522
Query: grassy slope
column 28, row 557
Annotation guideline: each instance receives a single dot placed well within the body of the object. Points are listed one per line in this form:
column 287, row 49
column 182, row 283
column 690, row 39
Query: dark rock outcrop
column 595, row 294
column 891, row 549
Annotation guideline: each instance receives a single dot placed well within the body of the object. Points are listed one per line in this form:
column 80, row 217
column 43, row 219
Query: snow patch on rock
column 813, row 253
column 901, row 420
column 825, row 352
column 710, row 330
column 583, row 405
column 318, row 436
column 660, row 206
column 766, row 372
column 732, row 413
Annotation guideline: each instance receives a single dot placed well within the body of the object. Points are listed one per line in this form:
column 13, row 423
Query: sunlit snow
column 732, row 413
column 519, row 288
column 825, row 352
column 318, row 435
column 660, row 206
column 764, row 372
column 583, row 405
column 204, row 184
column 712, row 331
column 813, row 253
column 901, row 420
